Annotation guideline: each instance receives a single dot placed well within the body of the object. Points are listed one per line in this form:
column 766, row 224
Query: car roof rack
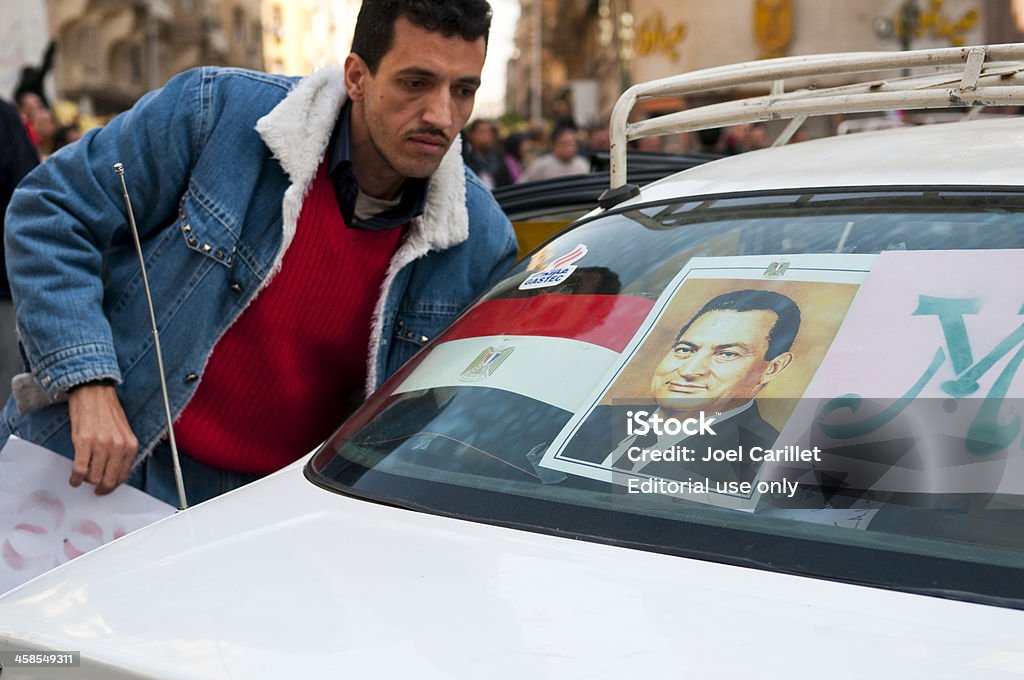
column 986, row 75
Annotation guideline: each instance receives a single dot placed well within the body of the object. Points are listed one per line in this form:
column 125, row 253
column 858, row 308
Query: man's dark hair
column 787, row 322
column 375, row 27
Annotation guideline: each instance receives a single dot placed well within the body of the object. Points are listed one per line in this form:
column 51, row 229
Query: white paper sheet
column 45, row 522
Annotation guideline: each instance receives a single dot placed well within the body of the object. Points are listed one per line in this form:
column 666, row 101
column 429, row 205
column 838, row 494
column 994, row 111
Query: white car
column 500, row 509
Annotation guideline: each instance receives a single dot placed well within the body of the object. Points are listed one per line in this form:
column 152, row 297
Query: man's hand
column 105, row 445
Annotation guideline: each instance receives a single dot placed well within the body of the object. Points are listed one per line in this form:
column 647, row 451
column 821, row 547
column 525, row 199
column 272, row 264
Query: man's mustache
column 431, row 132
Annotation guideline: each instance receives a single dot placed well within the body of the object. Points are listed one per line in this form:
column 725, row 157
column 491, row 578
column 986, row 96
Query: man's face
column 718, row 364
column 416, row 103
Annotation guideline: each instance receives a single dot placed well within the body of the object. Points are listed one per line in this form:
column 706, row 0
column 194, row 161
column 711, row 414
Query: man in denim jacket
column 302, row 239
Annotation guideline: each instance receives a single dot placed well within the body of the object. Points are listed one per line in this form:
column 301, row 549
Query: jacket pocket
column 171, row 268
column 194, row 252
column 205, row 230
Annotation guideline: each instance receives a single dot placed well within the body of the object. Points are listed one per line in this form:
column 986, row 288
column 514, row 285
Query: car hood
column 284, row 578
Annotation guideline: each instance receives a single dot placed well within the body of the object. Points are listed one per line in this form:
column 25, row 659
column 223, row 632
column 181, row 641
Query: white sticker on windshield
column 556, row 272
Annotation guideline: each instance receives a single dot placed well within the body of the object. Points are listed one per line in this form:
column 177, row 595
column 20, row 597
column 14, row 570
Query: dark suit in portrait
column 604, row 432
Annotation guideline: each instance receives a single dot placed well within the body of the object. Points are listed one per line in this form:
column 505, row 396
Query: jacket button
column 235, row 287
column 191, row 378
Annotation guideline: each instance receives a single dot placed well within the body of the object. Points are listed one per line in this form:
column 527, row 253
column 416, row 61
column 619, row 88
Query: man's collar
column 346, row 188
column 338, row 151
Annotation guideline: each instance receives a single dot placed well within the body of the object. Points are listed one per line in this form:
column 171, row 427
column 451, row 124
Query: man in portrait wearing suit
column 720, row 360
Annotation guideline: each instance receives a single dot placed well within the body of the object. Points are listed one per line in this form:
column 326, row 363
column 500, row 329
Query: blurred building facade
column 595, row 49
column 23, row 35
column 113, row 51
column 301, row 36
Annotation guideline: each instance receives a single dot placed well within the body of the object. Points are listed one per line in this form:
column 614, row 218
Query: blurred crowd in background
column 48, row 129
column 499, row 154
column 504, row 156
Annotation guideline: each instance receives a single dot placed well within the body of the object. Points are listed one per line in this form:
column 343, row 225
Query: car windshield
column 822, row 383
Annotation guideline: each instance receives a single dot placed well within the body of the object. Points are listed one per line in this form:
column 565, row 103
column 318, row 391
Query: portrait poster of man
column 732, row 340
column 921, row 392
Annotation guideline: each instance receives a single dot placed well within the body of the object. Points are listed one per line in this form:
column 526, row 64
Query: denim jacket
column 217, row 164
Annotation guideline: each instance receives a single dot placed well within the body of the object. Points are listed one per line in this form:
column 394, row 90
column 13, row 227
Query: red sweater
column 276, row 381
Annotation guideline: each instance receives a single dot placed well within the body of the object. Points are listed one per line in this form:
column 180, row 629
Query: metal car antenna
column 178, row 479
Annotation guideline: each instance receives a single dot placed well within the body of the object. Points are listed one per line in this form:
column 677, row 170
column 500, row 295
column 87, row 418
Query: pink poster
column 921, row 390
